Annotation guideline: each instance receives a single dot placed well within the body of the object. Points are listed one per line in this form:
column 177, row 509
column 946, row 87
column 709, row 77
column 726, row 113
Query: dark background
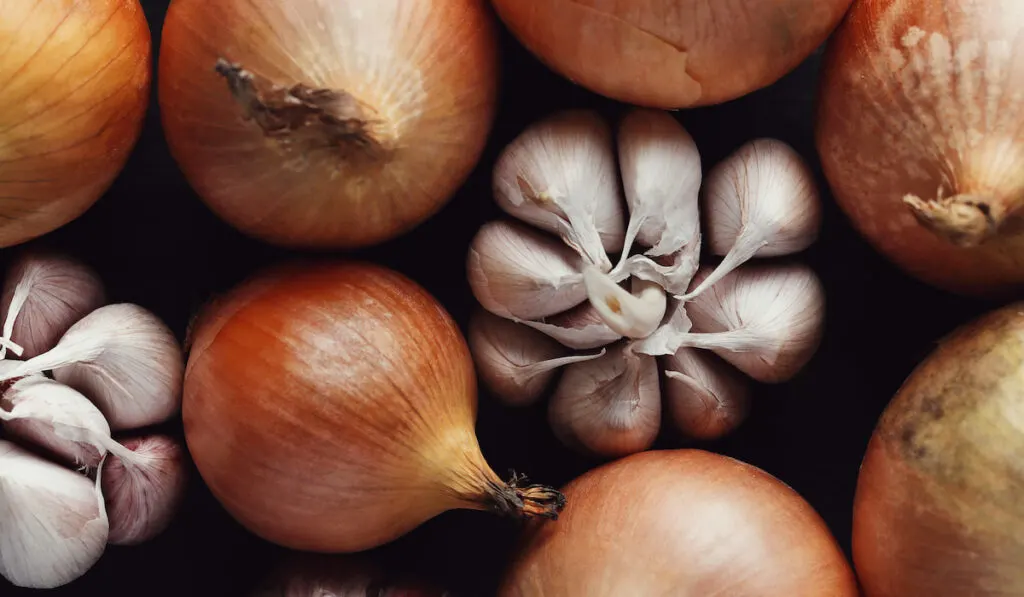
column 155, row 244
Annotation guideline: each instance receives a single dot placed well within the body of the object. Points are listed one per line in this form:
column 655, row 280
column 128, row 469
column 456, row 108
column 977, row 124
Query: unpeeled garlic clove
column 58, row 419
column 124, row 359
column 143, row 494
column 761, row 201
column 581, row 328
column 44, row 294
column 518, row 272
column 515, row 362
column 705, row 397
column 767, row 320
column 610, row 406
column 559, row 175
column 54, row 527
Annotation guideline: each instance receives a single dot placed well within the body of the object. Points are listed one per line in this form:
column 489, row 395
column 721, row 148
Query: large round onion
column 74, row 88
column 938, row 510
column 672, row 53
column 327, row 123
column 918, row 135
column 682, row 522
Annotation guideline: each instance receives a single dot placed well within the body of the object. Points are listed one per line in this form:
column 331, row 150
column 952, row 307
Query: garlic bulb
column 610, row 406
column 143, row 494
column 53, row 527
column 44, row 295
column 515, row 362
column 559, row 175
column 705, row 396
column 762, row 202
column 58, row 419
column 124, row 359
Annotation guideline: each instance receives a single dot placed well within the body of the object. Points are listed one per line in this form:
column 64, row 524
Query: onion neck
column 518, row 499
column 965, row 220
column 308, row 120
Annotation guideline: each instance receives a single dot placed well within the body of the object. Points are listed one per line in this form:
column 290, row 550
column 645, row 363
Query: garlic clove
column 581, row 328
column 54, row 527
column 761, row 201
column 560, row 176
column 705, row 397
column 143, row 494
column 124, row 359
column 632, row 315
column 518, row 272
column 767, row 320
column 44, row 294
column 609, row 406
column 666, row 339
column 515, row 362
column 661, row 173
column 58, row 419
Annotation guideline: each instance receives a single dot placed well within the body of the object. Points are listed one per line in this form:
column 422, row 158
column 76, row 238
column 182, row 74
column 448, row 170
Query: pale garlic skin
column 620, row 329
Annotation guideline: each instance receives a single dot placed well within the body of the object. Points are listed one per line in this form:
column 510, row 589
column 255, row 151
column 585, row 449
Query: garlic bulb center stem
column 634, row 315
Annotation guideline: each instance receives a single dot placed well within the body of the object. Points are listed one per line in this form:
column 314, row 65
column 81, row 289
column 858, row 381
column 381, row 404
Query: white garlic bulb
column 762, row 201
column 143, row 494
column 124, row 359
column 58, row 419
column 44, row 295
column 705, row 397
column 53, row 527
column 559, row 175
column 610, row 406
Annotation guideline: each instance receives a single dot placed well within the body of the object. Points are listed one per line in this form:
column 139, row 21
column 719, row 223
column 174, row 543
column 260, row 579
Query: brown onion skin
column 298, row 377
column 332, row 201
column 672, row 53
column 938, row 509
column 882, row 134
column 72, row 105
column 683, row 522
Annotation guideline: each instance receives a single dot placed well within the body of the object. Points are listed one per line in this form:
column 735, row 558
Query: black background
column 156, row 244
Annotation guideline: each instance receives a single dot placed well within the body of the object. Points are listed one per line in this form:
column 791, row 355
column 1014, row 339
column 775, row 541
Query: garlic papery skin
column 765, row 319
column 610, row 406
column 124, row 359
column 635, row 315
column 559, row 175
column 53, row 527
column 581, row 328
column 44, row 294
column 143, row 495
column 761, row 201
column 516, row 271
column 705, row 397
column 513, row 361
column 58, row 419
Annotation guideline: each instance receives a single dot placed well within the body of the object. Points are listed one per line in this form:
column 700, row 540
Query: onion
column 74, row 89
column 672, row 53
column 331, row 408
column 938, row 510
column 320, row 123
column 308, row 575
column 682, row 522
column 917, row 135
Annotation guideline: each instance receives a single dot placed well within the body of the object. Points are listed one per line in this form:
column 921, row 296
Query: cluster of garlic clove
column 68, row 488
column 623, row 308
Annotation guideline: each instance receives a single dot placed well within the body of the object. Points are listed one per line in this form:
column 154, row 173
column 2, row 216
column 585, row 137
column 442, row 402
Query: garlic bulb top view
column 607, row 285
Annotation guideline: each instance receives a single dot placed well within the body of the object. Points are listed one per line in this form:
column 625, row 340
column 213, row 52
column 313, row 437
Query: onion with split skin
column 74, row 89
column 672, row 53
column 327, row 124
column 938, row 509
column 918, row 134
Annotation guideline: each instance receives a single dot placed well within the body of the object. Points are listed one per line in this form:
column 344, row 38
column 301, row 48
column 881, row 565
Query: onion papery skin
column 331, row 407
column 424, row 72
column 938, row 509
column 919, row 97
column 682, row 522
column 74, row 90
column 672, row 53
